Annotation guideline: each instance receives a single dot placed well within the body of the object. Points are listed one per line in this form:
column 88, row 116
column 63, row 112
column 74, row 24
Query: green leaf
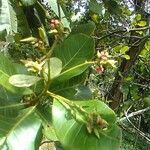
column 74, row 135
column 42, row 12
column 45, row 114
column 87, row 28
column 12, row 19
column 74, row 55
column 49, row 133
column 121, row 48
column 142, row 23
column 21, row 80
column 75, row 50
column 10, row 103
column 28, row 2
column 7, row 69
column 124, row 49
column 55, row 66
column 8, row 19
column 6, row 95
column 111, row 5
column 72, row 72
column 23, row 131
column 147, row 101
column 83, row 93
column 95, row 7
column 69, row 87
column 138, row 17
column 127, row 57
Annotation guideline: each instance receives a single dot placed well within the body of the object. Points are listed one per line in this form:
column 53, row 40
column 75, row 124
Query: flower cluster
column 103, row 58
column 54, row 23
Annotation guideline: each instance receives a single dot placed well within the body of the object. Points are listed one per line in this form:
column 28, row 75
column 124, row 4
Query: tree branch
column 139, row 112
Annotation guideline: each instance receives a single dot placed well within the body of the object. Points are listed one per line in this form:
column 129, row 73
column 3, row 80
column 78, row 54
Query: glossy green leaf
column 68, row 88
column 72, row 72
column 45, row 114
column 6, row 95
column 87, row 28
column 7, row 69
column 75, row 50
column 49, row 133
column 12, row 19
column 21, row 80
column 23, row 131
column 74, row 135
column 74, row 56
column 55, row 66
column 28, row 2
column 11, row 106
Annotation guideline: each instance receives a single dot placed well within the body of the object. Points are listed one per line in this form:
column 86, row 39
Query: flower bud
column 99, row 69
column 54, row 23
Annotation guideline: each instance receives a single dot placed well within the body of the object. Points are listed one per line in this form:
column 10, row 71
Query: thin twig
column 138, row 131
column 120, row 31
column 135, row 113
column 136, row 139
column 50, row 51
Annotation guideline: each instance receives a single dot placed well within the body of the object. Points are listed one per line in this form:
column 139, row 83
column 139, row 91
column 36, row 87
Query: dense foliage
column 74, row 73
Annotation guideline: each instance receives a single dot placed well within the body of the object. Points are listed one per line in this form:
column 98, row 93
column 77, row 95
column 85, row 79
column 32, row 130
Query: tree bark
column 115, row 94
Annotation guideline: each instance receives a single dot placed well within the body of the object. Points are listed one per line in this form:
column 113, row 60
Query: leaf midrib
column 74, row 55
column 73, row 68
column 19, row 121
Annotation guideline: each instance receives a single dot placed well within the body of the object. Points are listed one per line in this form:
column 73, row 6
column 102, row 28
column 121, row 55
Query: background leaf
column 95, row 7
column 28, row 2
column 87, row 28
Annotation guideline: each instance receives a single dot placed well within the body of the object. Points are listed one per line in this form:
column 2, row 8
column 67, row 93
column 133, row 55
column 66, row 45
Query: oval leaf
column 23, row 131
column 75, row 50
column 7, row 69
column 74, row 71
column 74, row 135
column 21, row 80
column 55, row 66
